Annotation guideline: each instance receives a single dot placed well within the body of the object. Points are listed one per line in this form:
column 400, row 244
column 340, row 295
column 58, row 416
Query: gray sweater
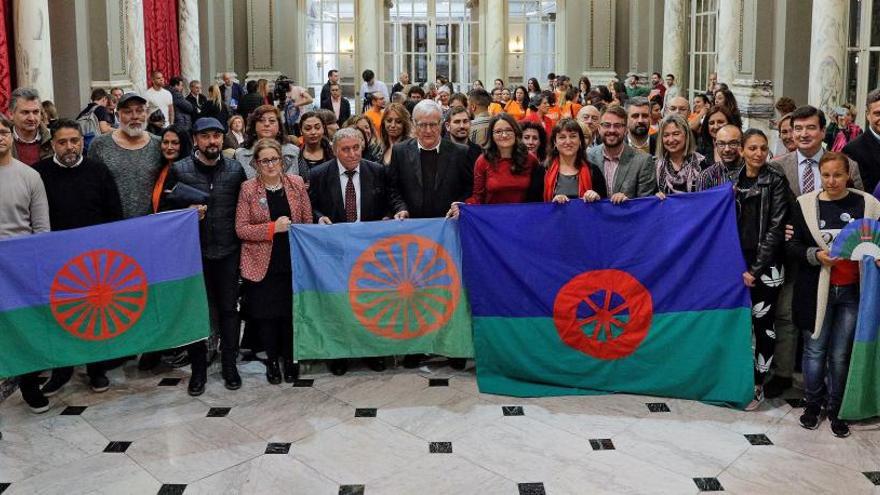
column 23, row 205
column 135, row 171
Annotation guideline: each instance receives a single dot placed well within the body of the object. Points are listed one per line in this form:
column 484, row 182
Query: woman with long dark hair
column 534, row 136
column 505, row 171
column 724, row 98
column 533, row 87
column 716, row 118
column 316, row 147
column 569, row 174
column 265, row 122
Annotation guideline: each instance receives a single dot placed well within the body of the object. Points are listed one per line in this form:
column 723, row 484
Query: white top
column 356, row 179
column 376, row 86
column 160, row 99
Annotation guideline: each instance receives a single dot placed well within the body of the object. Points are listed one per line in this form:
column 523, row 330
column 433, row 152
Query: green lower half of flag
column 175, row 313
column 325, row 327
column 862, row 397
column 704, row 355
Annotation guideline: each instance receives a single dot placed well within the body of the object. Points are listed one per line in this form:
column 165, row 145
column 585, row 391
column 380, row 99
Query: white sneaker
column 756, row 402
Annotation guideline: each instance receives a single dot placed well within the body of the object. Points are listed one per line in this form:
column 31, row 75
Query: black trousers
column 276, row 335
column 221, row 284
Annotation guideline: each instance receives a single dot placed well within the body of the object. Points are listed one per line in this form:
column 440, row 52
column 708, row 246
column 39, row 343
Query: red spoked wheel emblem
column 99, row 294
column 603, row 313
column 404, row 287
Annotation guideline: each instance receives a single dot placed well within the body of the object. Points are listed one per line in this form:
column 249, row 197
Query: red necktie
column 350, row 198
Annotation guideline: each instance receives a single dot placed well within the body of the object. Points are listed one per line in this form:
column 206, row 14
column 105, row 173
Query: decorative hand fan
column 858, row 239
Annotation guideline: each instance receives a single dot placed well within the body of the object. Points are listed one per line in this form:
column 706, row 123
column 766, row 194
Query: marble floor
column 425, row 431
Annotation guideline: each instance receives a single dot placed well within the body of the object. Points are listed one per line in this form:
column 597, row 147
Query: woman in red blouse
column 504, row 172
column 569, row 174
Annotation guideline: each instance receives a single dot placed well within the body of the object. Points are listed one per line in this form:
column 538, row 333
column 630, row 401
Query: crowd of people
column 254, row 160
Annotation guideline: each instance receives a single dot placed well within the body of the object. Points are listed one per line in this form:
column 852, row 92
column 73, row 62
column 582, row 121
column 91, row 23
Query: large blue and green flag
column 862, row 397
column 379, row 289
column 645, row 297
column 101, row 292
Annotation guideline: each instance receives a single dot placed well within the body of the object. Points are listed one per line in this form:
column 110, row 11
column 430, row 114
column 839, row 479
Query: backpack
column 88, row 123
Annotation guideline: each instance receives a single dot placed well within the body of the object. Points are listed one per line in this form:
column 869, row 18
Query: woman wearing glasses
column 267, row 205
column 506, row 171
column 265, row 123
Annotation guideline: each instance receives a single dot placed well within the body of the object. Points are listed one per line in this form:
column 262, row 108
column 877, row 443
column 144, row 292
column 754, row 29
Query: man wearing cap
column 210, row 182
column 132, row 155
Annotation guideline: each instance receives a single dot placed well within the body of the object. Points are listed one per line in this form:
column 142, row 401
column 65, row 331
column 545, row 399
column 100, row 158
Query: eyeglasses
column 503, row 132
column 609, row 125
column 428, row 125
column 265, row 162
column 732, row 144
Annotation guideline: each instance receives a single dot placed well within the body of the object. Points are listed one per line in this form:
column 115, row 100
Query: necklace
column 276, row 187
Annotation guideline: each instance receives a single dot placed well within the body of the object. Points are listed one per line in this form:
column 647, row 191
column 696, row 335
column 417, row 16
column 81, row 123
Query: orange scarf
column 157, row 188
column 585, row 180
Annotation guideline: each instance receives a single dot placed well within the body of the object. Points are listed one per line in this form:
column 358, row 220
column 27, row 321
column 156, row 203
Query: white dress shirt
column 802, row 167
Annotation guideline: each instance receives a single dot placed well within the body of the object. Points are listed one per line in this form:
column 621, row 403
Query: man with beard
column 628, row 173
column 458, row 128
column 728, row 142
column 81, row 193
column 210, row 182
column 133, row 156
column 638, row 116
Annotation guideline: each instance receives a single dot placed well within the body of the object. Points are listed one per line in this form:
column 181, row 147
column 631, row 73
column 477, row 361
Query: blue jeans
column 833, row 347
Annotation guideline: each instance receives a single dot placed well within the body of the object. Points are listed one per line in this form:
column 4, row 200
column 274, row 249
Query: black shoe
column 179, row 360
column 59, row 378
column 149, row 360
column 839, row 427
column 38, row 404
column 457, row 363
column 291, row 371
column 376, row 364
column 196, row 384
column 810, row 418
column 99, row 383
column 273, row 372
column 411, row 361
column 231, row 378
column 338, row 366
column 776, row 387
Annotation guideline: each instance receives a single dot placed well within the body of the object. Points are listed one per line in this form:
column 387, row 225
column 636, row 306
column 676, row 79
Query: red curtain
column 161, row 37
column 6, row 60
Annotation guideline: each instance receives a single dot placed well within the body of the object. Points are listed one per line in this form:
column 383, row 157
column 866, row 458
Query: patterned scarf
column 687, row 179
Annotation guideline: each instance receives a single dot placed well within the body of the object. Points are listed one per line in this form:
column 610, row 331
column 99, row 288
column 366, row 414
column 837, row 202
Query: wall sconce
column 347, row 45
column 516, row 45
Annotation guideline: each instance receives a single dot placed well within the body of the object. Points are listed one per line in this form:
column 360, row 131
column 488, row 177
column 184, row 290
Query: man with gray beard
column 132, row 155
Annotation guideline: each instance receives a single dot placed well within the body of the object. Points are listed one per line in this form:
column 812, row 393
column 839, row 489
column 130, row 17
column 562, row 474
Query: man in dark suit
column 332, row 78
column 351, row 189
column 232, row 91
column 458, row 127
column 337, row 104
column 865, row 149
column 195, row 97
column 429, row 173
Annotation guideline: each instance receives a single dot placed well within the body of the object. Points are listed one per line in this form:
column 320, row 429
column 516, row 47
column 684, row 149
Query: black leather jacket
column 222, row 184
column 776, row 202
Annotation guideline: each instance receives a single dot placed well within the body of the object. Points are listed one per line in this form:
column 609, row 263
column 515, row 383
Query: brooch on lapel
column 263, row 203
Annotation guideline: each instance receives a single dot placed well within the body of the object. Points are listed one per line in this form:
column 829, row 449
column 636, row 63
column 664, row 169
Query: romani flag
column 96, row 293
column 862, row 396
column 378, row 289
column 645, row 297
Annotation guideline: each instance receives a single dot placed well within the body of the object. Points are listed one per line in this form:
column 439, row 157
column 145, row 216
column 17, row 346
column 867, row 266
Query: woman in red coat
column 267, row 205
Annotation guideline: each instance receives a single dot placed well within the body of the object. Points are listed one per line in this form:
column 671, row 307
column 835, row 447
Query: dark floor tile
column 758, row 439
column 601, row 444
column 655, row 407
column 531, row 489
column 795, row 403
column 438, row 382
column 4, row 486
column 440, row 447
column 708, row 484
column 512, row 411
column 873, row 476
column 169, row 489
column 73, row 410
column 351, row 490
column 218, row 412
column 303, row 383
column 170, row 382
column 365, row 412
column 277, row 448
column 117, row 447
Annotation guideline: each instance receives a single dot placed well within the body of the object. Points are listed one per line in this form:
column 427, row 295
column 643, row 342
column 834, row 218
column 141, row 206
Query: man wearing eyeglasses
column 210, row 183
column 629, row 173
column 728, row 143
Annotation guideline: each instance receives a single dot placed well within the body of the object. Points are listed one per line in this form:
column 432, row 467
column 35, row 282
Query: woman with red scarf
column 569, row 175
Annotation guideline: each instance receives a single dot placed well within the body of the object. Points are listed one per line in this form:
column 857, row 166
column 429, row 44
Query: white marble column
column 828, row 54
column 674, row 33
column 33, row 48
column 136, row 45
column 367, row 40
column 496, row 42
column 727, row 39
column 188, row 24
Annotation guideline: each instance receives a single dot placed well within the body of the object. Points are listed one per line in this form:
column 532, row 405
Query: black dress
column 272, row 297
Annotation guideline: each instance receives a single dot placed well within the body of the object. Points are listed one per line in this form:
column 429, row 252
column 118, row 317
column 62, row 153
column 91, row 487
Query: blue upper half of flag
column 324, row 256
column 165, row 246
column 868, row 325
column 685, row 250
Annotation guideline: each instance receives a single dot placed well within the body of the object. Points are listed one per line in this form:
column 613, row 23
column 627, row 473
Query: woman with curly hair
column 265, row 122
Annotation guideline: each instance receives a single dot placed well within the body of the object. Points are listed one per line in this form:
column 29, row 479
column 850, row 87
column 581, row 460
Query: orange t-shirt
column 375, row 117
column 514, row 109
column 495, row 109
